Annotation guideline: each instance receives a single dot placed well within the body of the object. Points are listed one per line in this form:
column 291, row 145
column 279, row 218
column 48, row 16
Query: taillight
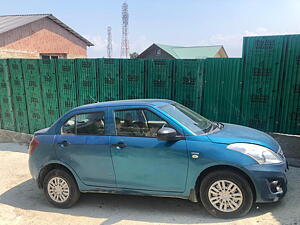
column 33, row 145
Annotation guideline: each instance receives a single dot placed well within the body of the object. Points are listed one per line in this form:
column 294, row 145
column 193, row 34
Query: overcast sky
column 174, row 22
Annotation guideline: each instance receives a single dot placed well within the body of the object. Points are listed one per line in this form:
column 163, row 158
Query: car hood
column 231, row 133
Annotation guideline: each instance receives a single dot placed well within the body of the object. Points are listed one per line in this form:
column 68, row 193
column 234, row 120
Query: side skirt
column 192, row 197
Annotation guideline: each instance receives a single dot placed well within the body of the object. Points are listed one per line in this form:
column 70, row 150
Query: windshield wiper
column 213, row 126
column 220, row 125
column 209, row 128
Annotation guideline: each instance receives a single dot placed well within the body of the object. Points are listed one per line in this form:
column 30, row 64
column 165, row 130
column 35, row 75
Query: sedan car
column 159, row 148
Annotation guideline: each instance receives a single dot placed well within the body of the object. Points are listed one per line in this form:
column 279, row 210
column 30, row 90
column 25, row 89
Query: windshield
column 193, row 121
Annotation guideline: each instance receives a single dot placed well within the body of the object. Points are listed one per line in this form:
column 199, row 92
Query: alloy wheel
column 225, row 196
column 58, row 189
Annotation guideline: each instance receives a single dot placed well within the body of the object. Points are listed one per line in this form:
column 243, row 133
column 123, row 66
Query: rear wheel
column 60, row 188
column 226, row 194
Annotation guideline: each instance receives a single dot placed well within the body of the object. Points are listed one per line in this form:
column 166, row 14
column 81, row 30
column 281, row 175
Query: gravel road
column 21, row 202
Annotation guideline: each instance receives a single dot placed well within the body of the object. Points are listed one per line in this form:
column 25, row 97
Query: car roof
column 133, row 102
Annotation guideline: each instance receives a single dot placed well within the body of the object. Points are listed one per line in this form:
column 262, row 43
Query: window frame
column 143, row 108
column 82, row 113
column 53, row 55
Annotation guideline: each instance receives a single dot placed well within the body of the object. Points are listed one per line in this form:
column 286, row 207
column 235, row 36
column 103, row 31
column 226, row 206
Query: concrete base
column 290, row 144
column 7, row 136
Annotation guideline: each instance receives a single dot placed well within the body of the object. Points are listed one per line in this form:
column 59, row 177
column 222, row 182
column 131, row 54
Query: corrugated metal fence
column 261, row 90
column 271, row 78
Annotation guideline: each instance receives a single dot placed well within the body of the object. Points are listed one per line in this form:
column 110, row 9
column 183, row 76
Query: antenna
column 125, row 42
column 109, row 42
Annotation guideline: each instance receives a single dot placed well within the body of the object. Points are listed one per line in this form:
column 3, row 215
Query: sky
column 174, row 22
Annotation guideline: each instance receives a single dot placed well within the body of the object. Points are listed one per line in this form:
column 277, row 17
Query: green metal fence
column 262, row 69
column 188, row 83
column 261, row 89
column 6, row 98
column 49, row 88
column 289, row 105
column 222, row 90
column 271, row 76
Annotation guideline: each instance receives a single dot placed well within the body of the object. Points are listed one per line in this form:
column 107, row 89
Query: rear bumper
column 32, row 168
column 270, row 181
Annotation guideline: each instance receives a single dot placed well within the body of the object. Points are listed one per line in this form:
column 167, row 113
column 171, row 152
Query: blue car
column 159, row 148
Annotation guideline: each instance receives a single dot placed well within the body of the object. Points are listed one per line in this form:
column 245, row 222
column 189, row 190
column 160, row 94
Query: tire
column 224, row 204
column 60, row 188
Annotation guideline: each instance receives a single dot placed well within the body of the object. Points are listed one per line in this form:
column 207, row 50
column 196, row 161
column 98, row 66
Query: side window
column 85, row 124
column 90, row 124
column 137, row 123
column 154, row 123
column 69, row 127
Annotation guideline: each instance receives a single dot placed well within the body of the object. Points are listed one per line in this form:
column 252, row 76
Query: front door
column 141, row 161
column 83, row 145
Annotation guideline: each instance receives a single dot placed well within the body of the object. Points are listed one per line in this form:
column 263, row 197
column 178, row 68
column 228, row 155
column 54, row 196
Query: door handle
column 63, row 144
column 119, row 145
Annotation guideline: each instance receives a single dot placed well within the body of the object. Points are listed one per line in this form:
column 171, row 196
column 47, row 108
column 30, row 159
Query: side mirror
column 168, row 134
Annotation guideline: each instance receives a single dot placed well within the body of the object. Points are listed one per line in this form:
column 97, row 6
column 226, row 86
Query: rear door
column 141, row 161
column 84, row 146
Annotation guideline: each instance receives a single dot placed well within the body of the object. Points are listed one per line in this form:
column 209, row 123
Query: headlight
column 261, row 154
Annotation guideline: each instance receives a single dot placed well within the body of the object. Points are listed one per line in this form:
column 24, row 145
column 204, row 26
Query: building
column 158, row 51
column 39, row 36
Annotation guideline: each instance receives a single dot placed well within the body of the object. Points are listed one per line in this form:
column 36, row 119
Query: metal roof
column 10, row 22
column 194, row 52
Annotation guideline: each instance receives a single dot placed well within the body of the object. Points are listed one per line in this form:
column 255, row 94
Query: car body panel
column 232, row 133
column 88, row 155
column 42, row 155
column 148, row 166
column 148, row 163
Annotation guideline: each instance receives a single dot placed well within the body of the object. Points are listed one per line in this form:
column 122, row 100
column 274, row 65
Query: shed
column 159, row 51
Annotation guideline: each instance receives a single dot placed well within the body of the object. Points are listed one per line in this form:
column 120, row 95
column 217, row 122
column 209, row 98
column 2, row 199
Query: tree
column 134, row 55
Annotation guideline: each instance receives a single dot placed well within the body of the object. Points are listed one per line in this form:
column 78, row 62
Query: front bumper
column 270, row 181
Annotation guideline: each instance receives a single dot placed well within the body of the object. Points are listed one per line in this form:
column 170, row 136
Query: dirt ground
column 21, row 202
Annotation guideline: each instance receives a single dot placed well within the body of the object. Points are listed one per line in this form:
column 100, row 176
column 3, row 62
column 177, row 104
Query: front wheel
column 60, row 188
column 226, row 194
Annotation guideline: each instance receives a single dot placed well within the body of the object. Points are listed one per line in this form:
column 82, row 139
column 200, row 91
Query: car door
column 141, row 161
column 84, row 146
